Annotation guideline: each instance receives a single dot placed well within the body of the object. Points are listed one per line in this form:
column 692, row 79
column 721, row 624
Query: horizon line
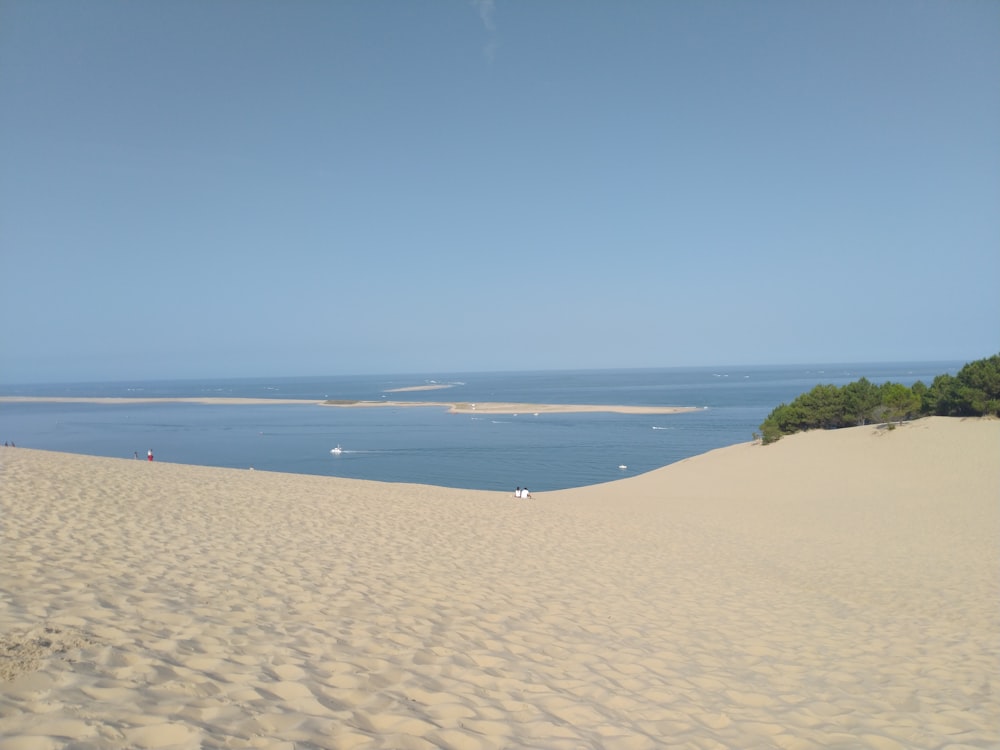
column 439, row 373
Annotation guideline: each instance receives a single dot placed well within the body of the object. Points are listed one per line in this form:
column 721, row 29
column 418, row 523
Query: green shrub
column 975, row 391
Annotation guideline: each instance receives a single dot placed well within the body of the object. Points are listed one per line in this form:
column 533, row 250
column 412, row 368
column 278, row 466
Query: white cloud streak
column 485, row 8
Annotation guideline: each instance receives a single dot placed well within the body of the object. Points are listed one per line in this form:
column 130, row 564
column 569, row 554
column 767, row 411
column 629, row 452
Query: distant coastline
column 452, row 406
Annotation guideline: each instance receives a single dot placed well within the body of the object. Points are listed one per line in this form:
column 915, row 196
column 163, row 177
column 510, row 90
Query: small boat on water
column 337, row 451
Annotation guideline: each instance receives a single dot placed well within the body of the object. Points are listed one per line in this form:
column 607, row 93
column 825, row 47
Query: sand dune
column 837, row 589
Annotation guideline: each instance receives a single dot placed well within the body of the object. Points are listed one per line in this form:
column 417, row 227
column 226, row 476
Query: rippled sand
column 837, row 589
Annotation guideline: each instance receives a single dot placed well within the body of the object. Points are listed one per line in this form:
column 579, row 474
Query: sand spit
column 837, row 589
column 218, row 401
column 453, row 406
column 511, row 408
column 498, row 407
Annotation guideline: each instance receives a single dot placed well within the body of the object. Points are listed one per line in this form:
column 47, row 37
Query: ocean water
column 427, row 445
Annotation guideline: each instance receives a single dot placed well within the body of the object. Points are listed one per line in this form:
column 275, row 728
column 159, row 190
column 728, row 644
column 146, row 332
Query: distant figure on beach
column 135, row 455
column 517, row 492
column 522, row 493
column 149, row 454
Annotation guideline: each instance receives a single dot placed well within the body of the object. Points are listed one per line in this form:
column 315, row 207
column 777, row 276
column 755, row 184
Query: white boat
column 622, row 466
column 337, row 451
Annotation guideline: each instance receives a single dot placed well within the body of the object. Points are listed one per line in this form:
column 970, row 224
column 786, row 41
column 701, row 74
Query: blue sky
column 250, row 188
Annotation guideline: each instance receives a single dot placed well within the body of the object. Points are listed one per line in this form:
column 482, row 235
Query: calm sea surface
column 427, row 445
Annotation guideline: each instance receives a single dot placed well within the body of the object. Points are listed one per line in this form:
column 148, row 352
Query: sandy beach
column 833, row 590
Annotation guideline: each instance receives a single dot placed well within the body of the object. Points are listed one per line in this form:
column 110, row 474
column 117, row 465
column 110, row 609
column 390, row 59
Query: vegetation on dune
column 974, row 391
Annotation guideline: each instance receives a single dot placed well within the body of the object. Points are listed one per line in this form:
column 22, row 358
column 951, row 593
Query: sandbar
column 453, row 406
column 218, row 401
column 497, row 407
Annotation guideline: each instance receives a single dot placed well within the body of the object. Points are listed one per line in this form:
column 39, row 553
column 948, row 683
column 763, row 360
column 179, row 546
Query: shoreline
column 456, row 407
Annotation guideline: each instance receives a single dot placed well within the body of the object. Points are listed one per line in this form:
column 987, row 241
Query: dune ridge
column 836, row 589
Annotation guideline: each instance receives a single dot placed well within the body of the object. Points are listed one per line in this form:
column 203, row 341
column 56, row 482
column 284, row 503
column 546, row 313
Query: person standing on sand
column 149, row 454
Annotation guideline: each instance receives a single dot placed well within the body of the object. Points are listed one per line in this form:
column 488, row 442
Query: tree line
column 974, row 391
